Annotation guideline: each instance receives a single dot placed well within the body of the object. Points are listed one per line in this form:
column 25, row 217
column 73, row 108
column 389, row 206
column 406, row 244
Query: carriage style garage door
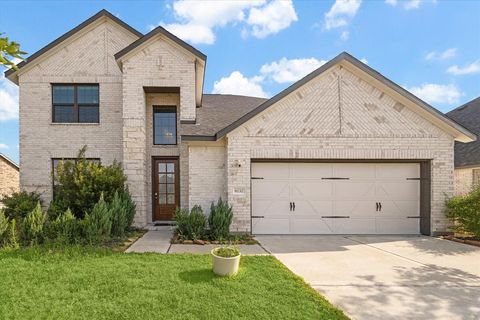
column 335, row 198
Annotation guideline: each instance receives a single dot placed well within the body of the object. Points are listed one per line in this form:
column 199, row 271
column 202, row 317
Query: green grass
column 77, row 283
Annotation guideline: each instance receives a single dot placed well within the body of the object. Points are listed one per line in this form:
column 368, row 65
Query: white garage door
column 335, row 198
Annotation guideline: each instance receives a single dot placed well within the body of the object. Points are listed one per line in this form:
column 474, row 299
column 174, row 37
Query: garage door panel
column 404, row 190
column 271, row 170
column 312, row 189
column 313, row 208
column 312, row 226
column 397, row 226
column 271, row 208
column 355, row 208
column 271, row 226
column 399, row 209
column 269, row 189
column 354, row 170
column 397, row 170
column 311, row 170
column 351, row 190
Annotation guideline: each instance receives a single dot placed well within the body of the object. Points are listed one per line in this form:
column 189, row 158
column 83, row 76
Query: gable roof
column 468, row 114
column 81, row 26
column 9, row 161
column 164, row 32
column 465, row 134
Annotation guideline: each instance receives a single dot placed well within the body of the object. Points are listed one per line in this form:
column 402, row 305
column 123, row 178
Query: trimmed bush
column 4, row 224
column 68, row 228
column 129, row 206
column 464, row 212
column 98, row 223
column 79, row 184
column 33, row 225
column 220, row 219
column 19, row 204
column 118, row 214
column 190, row 226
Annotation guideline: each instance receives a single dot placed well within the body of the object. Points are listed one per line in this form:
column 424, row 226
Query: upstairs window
column 164, row 125
column 75, row 103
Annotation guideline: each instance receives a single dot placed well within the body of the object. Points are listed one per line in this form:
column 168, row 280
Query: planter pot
column 225, row 266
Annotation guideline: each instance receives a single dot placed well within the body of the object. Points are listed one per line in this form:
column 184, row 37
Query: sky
column 258, row 48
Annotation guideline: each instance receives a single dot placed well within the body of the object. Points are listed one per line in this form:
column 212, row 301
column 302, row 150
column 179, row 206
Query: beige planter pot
column 225, row 266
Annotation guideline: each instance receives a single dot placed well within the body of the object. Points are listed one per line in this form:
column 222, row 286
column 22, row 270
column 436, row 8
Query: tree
column 9, row 50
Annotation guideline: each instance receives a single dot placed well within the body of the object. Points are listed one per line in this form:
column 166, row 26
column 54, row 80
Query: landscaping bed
column 82, row 283
column 232, row 239
column 464, row 239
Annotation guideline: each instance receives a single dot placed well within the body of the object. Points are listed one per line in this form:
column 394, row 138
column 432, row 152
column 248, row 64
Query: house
column 9, row 176
column 343, row 150
column 467, row 155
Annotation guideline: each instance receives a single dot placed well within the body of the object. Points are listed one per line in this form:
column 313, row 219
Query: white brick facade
column 465, row 179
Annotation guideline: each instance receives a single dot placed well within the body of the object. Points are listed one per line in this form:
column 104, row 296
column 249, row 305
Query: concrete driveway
column 386, row 277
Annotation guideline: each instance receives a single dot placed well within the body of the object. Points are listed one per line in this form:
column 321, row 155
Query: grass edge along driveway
column 79, row 283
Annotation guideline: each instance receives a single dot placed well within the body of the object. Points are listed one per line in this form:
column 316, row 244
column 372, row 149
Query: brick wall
column 9, row 178
column 464, row 180
column 84, row 58
column 338, row 116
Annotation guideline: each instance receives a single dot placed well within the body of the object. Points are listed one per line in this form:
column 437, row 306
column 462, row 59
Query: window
column 56, row 161
column 164, row 125
column 75, row 103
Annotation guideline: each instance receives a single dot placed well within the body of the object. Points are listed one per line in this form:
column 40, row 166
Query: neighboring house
column 9, row 177
column 343, row 150
column 467, row 155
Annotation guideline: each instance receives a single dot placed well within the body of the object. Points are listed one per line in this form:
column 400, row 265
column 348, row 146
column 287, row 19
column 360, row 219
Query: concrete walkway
column 158, row 241
column 386, row 277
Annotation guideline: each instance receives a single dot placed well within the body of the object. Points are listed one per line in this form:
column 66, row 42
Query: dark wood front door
column 165, row 188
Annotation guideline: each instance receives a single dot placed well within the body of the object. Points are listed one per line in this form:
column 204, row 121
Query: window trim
column 156, row 107
column 76, row 106
column 52, row 173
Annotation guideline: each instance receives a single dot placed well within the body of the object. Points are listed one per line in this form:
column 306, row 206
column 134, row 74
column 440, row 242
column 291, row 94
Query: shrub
column 464, row 212
column 4, row 224
column 129, row 206
column 98, row 223
column 220, row 219
column 190, row 226
column 19, row 204
column 118, row 214
column 32, row 226
column 80, row 183
column 11, row 238
column 68, row 229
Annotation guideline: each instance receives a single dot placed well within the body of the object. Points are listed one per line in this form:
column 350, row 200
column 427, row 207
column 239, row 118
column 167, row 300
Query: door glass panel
column 171, row 199
column 170, row 178
column 162, row 167
column 162, row 199
column 162, row 178
column 170, row 188
column 162, row 188
column 170, row 167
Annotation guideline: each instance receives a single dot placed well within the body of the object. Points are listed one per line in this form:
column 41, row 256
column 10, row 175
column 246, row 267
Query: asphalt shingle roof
column 468, row 115
column 218, row 111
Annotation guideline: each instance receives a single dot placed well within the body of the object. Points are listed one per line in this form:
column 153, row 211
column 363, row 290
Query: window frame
column 154, row 111
column 52, row 174
column 76, row 106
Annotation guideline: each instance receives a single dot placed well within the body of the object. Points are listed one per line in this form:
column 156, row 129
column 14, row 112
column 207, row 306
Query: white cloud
column 285, row 70
column 8, row 99
column 3, row 146
column 237, row 83
column 275, row 16
column 444, row 55
column 197, row 20
column 364, row 60
column 473, row 67
column 344, row 35
column 341, row 13
column 437, row 93
column 409, row 4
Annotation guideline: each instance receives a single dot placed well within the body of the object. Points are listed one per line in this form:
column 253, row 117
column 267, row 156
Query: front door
column 165, row 188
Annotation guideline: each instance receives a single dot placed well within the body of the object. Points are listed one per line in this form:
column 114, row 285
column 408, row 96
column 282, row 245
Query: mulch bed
column 467, row 240
column 234, row 240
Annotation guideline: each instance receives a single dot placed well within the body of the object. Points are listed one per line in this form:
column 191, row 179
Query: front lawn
column 99, row 284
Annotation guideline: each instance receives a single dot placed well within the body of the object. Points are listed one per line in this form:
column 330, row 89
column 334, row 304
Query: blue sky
column 260, row 47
